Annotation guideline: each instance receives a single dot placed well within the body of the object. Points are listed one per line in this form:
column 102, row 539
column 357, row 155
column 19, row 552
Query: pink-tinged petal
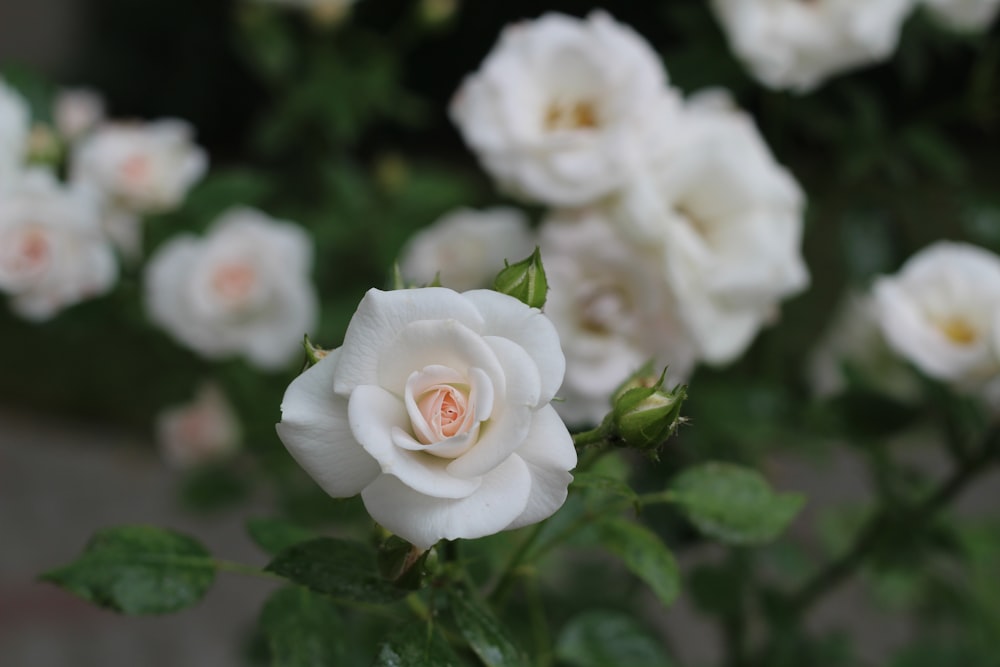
column 503, row 434
column 449, row 448
column 445, row 342
column 314, row 427
column 423, row 520
column 550, row 455
column 374, row 413
column 507, row 317
column 379, row 319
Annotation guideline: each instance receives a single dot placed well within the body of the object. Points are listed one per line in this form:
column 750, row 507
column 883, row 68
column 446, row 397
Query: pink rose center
column 234, row 282
column 444, row 409
column 32, row 251
column 135, row 169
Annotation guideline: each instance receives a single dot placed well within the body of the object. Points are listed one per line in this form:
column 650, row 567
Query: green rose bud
column 524, row 281
column 644, row 417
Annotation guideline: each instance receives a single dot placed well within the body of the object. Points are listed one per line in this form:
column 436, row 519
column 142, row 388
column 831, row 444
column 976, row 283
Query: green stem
column 502, row 589
column 539, row 626
column 595, row 436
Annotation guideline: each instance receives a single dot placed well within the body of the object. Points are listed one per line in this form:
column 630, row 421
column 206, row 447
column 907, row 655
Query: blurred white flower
column 140, row 167
column 77, row 111
column 964, row 15
column 242, row 289
column 940, row 310
column 52, row 251
column 613, row 307
column 563, row 110
column 15, row 125
column 853, row 342
column 797, row 44
column 467, row 248
column 202, row 431
column 729, row 220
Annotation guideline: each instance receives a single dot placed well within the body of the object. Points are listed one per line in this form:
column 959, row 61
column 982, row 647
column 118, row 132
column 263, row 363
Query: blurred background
column 343, row 128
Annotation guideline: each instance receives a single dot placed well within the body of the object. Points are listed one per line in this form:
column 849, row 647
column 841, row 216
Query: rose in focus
column 436, row 410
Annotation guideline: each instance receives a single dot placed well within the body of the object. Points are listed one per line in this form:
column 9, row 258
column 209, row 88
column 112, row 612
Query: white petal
column 423, row 520
column 379, row 319
column 314, row 427
column 507, row 317
column 445, row 342
column 549, row 452
column 374, row 413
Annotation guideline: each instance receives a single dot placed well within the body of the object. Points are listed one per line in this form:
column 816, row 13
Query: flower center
column 444, row 409
column 580, row 115
column 601, row 308
column 135, row 169
column 959, row 331
column 29, row 253
column 233, row 282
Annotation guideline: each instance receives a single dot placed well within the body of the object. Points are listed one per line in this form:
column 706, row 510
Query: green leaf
column 604, row 638
column 605, row 485
column 644, row 554
column 139, row 570
column 276, row 535
column 302, row 629
column 486, row 636
column 734, row 504
column 339, row 568
column 415, row 645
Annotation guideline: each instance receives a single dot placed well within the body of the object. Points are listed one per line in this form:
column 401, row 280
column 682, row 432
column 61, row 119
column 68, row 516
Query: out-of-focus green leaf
column 644, row 554
column 302, row 629
column 139, row 570
column 277, row 535
column 486, row 636
column 604, row 638
column 734, row 504
column 416, row 645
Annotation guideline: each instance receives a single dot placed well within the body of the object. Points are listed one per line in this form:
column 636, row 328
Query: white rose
column 15, row 125
column 729, row 221
column 141, row 167
column 77, row 111
column 243, row 289
column 436, row 410
column 796, row 44
column 939, row 312
column 563, row 110
column 964, row 15
column 612, row 304
column 467, row 248
column 853, row 342
column 52, row 251
column 202, row 431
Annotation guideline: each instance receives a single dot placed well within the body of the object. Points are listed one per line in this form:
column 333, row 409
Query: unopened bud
column 645, row 417
column 525, row 281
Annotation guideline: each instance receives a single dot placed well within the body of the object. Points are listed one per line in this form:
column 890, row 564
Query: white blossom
column 729, row 220
column 202, row 431
column 940, row 311
column 77, row 111
column 52, row 251
column 964, row 15
column 242, row 289
column 466, row 248
column 564, row 110
column 797, row 44
column 612, row 304
column 436, row 410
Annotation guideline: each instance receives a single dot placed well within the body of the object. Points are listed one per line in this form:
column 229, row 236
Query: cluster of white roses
column 244, row 289
column 940, row 313
column 797, row 44
column 673, row 234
